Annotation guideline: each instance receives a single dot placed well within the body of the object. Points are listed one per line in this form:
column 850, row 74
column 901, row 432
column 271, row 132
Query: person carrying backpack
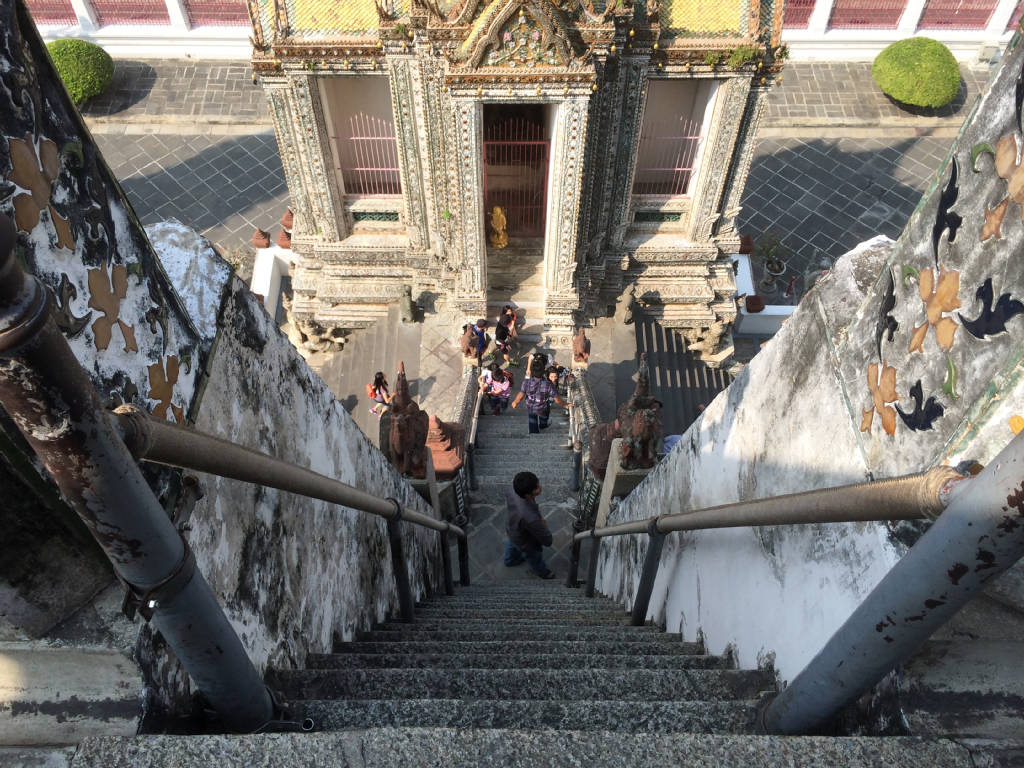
column 538, row 390
column 378, row 392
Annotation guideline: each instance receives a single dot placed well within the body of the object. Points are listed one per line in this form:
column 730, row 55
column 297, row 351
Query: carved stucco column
column 471, row 291
column 725, row 127
column 408, row 109
column 560, row 247
column 320, row 195
column 726, row 236
column 282, row 108
column 619, row 188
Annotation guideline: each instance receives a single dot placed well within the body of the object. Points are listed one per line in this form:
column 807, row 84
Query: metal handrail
column 471, row 442
column 56, row 407
column 476, row 416
column 53, row 402
column 911, row 497
column 161, row 442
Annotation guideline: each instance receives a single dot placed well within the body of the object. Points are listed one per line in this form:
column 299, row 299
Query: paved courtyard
column 224, row 186
column 822, row 196
column 838, row 162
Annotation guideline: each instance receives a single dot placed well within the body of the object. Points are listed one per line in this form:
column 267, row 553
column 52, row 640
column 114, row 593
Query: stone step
column 965, row 687
column 571, row 600
column 510, row 647
column 631, row 716
column 528, row 684
column 542, row 623
column 500, row 611
column 549, row 632
column 392, row 747
column 511, row 661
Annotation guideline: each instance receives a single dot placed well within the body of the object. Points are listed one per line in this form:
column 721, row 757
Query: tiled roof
column 702, row 18
column 356, row 18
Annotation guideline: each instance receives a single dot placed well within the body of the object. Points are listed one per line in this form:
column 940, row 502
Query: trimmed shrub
column 918, row 71
column 85, row 68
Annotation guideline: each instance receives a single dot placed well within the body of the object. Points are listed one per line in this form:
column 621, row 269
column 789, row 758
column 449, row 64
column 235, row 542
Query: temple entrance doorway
column 517, row 143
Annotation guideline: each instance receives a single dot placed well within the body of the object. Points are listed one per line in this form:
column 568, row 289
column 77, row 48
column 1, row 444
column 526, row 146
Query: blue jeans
column 514, row 556
column 497, row 402
column 538, row 421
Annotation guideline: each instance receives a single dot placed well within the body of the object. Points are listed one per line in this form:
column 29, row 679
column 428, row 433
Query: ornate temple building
column 614, row 136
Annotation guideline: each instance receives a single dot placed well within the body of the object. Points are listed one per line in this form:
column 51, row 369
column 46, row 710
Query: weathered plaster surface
column 77, row 233
column 293, row 573
column 795, row 418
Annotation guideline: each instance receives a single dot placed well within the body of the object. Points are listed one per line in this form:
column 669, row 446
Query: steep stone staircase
column 504, row 448
column 521, row 675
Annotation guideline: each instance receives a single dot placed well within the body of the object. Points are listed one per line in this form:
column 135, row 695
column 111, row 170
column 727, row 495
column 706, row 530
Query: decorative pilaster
column 407, row 107
column 470, row 288
column 438, row 151
column 633, row 73
column 567, row 154
column 726, row 236
column 279, row 93
column 725, row 128
column 312, row 144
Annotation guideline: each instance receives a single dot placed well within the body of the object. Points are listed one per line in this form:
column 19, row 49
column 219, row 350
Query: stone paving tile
column 823, row 196
column 222, row 186
column 843, row 93
column 181, row 90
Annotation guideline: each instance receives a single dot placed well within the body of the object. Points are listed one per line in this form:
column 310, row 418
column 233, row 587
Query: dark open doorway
column 516, row 149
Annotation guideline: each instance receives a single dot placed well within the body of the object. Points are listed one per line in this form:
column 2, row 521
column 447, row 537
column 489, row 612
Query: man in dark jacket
column 528, row 533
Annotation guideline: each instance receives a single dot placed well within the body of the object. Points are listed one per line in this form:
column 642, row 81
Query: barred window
column 362, row 133
column 672, row 138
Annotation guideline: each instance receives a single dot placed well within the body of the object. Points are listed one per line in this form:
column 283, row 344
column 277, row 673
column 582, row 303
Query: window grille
column 665, row 158
column 515, row 174
column 52, row 11
column 374, row 215
column 957, row 14
column 369, row 156
column 797, row 13
column 867, row 14
column 122, row 12
column 656, row 217
column 219, row 13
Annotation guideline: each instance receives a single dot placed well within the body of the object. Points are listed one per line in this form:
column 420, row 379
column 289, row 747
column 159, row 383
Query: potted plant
column 771, row 253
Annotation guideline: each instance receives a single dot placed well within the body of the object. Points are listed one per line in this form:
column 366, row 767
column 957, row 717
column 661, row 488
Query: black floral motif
column 886, row 322
column 946, row 219
column 923, row 416
column 991, row 321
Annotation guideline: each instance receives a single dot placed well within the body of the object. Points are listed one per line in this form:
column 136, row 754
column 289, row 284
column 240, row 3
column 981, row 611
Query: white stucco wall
column 794, row 419
column 292, row 573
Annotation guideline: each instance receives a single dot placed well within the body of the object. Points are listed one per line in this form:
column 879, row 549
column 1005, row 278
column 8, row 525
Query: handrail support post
column 463, row 543
column 574, row 566
column 446, row 563
column 655, row 542
column 595, row 550
column 405, row 601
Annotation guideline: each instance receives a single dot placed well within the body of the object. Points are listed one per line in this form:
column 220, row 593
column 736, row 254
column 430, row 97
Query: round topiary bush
column 918, row 71
column 85, row 68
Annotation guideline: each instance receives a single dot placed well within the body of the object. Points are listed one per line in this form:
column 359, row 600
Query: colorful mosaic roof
column 333, row 18
column 703, row 18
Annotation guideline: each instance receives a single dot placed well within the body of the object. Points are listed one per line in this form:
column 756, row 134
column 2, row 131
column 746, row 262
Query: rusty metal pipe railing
column 911, row 497
column 977, row 537
column 55, row 406
column 161, row 442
